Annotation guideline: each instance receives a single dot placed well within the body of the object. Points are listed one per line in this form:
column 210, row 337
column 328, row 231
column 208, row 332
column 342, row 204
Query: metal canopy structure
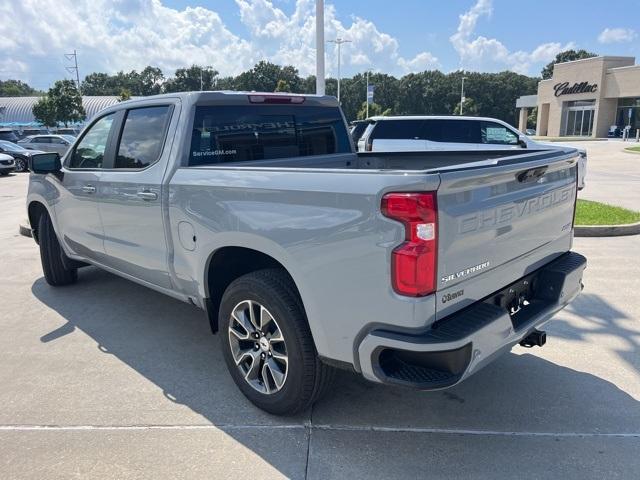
column 18, row 111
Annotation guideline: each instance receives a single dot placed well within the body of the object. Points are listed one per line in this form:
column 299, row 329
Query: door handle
column 147, row 195
column 88, row 189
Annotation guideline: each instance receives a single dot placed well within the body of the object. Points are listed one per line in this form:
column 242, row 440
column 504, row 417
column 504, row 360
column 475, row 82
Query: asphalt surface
column 107, row 379
column 613, row 175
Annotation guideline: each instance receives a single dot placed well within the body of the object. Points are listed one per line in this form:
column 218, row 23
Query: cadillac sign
column 582, row 87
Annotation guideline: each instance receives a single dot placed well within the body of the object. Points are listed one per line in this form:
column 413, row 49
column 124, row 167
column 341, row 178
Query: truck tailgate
column 493, row 216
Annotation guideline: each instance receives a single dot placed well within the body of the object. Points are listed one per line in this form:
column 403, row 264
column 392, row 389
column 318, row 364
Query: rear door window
column 495, row 134
column 454, row 131
column 398, row 130
column 142, row 136
column 244, row 133
column 41, row 140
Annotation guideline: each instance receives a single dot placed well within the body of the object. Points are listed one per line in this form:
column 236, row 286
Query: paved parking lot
column 108, row 379
column 613, row 175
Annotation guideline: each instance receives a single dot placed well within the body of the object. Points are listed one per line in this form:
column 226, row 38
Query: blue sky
column 394, row 37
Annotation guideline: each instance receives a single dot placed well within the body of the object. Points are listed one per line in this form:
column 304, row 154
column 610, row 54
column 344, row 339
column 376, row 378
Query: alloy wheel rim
column 258, row 347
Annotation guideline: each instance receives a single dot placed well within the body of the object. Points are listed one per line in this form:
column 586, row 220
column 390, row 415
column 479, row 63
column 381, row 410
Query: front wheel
column 20, row 164
column 51, row 255
column 267, row 343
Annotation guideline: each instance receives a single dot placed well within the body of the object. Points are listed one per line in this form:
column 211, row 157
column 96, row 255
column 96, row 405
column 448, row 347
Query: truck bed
column 407, row 161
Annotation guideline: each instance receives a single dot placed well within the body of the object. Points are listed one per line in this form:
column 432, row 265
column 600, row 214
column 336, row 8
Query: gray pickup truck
column 410, row 268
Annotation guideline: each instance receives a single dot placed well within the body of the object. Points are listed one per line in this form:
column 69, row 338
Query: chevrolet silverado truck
column 410, row 268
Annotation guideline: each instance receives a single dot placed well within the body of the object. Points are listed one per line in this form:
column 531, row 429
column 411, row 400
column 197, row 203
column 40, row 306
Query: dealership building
column 586, row 98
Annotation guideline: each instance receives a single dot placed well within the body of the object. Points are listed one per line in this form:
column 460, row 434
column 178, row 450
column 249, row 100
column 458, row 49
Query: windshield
column 11, row 147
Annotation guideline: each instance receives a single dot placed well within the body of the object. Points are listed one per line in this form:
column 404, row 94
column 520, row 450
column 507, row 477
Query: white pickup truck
column 412, row 269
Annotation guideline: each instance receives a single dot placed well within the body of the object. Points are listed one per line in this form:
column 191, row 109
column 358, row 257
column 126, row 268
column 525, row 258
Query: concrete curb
column 606, row 230
column 25, row 231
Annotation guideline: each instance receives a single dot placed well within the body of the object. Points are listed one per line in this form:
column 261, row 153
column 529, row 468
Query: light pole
column 339, row 41
column 367, row 96
column 319, row 47
column 462, row 95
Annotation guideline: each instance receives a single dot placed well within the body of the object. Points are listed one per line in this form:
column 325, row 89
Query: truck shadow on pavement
column 599, row 320
column 169, row 343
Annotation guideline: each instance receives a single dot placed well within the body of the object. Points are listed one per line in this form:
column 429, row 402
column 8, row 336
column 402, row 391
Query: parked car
column 67, row 131
column 453, row 133
column 9, row 135
column 20, row 154
column 48, row 143
column 530, row 132
column 6, row 164
column 26, row 132
column 413, row 269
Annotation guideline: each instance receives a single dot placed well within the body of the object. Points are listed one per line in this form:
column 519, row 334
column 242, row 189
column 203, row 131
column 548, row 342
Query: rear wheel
column 51, row 255
column 267, row 343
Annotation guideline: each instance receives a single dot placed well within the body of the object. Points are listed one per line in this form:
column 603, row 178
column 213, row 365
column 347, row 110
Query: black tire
column 51, row 254
column 20, row 164
column 307, row 378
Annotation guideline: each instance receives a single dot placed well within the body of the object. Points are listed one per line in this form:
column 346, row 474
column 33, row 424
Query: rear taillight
column 414, row 262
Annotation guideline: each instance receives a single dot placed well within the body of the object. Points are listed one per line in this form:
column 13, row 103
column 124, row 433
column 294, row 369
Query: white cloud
column 477, row 52
column 291, row 39
column 112, row 35
column 617, row 35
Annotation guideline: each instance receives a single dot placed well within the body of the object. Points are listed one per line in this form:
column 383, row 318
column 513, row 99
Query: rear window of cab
column 243, row 133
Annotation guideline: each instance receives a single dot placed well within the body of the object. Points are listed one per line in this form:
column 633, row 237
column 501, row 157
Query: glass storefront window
column 578, row 118
column 629, row 102
column 628, row 114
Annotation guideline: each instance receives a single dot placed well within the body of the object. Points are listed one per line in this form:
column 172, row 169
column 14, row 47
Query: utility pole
column 462, row 95
column 367, row 96
column 200, row 78
column 339, row 41
column 319, row 47
column 73, row 56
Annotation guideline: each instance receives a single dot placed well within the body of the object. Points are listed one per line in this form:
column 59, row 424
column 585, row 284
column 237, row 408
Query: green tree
column 282, row 86
column 264, row 77
column 44, row 112
column 375, row 110
column 532, row 118
column 147, row 82
column 61, row 104
column 67, row 101
column 124, row 95
column 565, row 56
column 151, row 80
column 470, row 109
column 99, row 83
column 191, row 79
column 16, row 88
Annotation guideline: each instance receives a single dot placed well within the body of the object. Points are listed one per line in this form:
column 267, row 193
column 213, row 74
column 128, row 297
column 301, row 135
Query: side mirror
column 45, row 163
column 522, row 141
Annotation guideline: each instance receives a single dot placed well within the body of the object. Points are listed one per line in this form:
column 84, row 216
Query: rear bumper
column 459, row 345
